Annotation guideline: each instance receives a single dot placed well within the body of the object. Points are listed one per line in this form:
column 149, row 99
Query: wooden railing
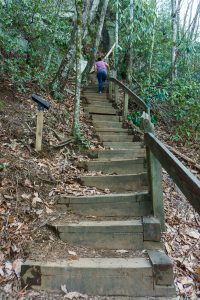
column 158, row 155
column 114, row 85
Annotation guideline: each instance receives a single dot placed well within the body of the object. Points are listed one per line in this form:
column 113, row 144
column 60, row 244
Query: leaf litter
column 30, row 183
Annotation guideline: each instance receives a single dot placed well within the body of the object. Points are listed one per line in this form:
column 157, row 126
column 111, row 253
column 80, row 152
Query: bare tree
column 130, row 68
column 59, row 81
column 174, row 40
column 195, row 21
column 153, row 39
column 79, row 29
column 91, row 61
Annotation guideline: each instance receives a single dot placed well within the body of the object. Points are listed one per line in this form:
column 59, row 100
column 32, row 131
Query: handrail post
column 156, row 191
column 110, row 90
column 155, row 176
column 112, row 73
column 125, row 106
column 116, row 93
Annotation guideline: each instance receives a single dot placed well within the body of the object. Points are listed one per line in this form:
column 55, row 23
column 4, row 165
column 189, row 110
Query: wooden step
column 99, row 105
column 96, row 96
column 125, row 166
column 105, row 118
column 110, row 234
column 103, row 234
column 118, row 205
column 98, row 101
column 123, row 145
column 100, row 110
column 117, row 183
column 108, row 130
column 121, row 154
column 132, row 277
column 107, row 124
column 94, row 92
column 119, row 137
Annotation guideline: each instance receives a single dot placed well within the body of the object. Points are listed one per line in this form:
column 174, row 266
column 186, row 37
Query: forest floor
column 31, row 181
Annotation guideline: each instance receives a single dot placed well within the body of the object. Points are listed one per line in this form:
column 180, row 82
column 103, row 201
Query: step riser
column 111, row 234
column 134, row 205
column 103, row 240
column 107, row 125
column 120, row 154
column 118, row 183
column 105, row 118
column 99, row 105
column 100, row 110
column 118, row 167
column 95, row 97
column 98, row 102
column 111, row 209
column 133, row 277
column 116, row 137
column 95, row 94
column 122, row 145
column 110, row 131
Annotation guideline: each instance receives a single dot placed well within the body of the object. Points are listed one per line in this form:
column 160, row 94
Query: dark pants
column 101, row 76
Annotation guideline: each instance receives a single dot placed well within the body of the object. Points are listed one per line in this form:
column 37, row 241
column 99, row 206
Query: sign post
column 42, row 104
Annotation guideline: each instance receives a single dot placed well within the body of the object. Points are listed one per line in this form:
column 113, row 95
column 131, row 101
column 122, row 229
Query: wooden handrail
column 184, row 179
column 137, row 99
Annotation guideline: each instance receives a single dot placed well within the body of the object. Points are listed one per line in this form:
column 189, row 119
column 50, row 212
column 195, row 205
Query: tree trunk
column 92, row 14
column 116, row 34
column 75, row 127
column 60, row 79
column 130, row 67
column 195, row 21
column 97, row 39
column 153, row 41
column 174, row 40
column 54, row 37
column 178, row 19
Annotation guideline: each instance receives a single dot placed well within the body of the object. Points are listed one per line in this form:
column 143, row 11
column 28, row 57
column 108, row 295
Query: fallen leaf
column 64, row 289
column 28, row 183
column 49, row 211
column 197, row 271
column 39, row 212
column 17, row 266
column 26, row 196
column 193, row 234
column 72, row 253
column 73, row 257
column 72, row 295
column 76, row 295
column 36, row 200
column 8, row 268
column 1, row 272
column 8, row 197
column 122, row 251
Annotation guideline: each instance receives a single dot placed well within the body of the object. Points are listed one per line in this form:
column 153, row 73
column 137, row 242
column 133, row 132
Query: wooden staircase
column 124, row 222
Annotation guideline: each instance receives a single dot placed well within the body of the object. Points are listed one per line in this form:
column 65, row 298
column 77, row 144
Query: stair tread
column 110, row 130
column 111, row 195
column 102, row 223
column 115, row 159
column 111, row 175
column 100, row 263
